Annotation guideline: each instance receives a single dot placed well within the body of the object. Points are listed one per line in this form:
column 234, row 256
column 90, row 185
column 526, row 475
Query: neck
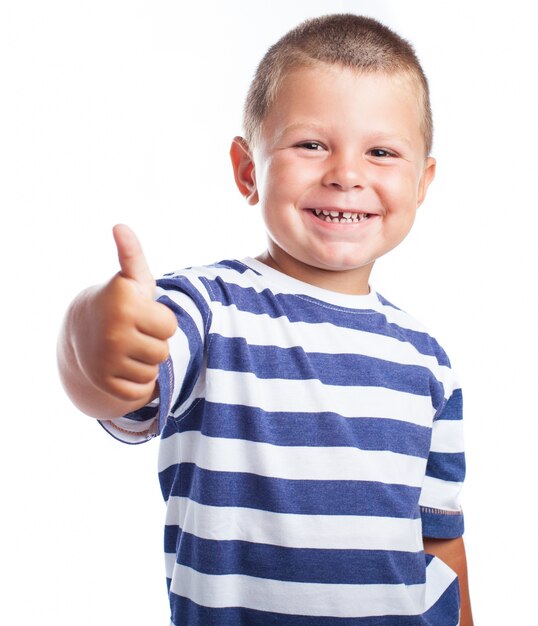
column 351, row 282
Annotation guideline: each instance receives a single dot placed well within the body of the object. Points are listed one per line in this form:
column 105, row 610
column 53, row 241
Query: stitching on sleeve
column 427, row 509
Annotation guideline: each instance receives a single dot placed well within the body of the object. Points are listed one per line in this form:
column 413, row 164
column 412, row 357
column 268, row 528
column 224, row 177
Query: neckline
column 296, row 286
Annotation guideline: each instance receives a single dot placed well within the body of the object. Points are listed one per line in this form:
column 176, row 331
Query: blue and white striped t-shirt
column 309, row 439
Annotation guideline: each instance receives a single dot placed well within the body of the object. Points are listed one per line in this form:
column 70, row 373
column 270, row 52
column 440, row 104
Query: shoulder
column 429, row 354
column 203, row 290
column 411, row 329
column 205, row 279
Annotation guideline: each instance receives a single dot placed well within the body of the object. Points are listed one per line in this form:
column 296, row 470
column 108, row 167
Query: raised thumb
column 133, row 263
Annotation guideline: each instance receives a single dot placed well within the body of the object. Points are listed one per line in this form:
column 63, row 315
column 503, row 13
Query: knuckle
column 114, row 341
column 127, row 391
column 148, row 374
column 120, row 299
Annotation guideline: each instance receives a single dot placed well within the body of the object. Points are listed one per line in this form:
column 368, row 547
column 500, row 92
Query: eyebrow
column 385, row 137
column 295, row 125
column 305, row 126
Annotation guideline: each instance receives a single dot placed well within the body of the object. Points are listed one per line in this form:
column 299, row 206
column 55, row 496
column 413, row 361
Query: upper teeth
column 340, row 216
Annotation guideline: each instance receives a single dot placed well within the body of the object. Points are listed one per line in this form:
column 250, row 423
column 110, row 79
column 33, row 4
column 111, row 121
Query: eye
column 381, row 153
column 313, row 146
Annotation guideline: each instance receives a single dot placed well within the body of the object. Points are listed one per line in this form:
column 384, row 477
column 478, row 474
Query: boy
column 311, row 455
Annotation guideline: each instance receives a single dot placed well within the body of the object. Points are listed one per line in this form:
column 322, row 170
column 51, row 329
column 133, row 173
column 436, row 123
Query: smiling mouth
column 340, row 217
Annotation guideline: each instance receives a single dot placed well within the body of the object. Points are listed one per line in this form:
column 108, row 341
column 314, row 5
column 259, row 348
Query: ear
column 428, row 175
column 244, row 172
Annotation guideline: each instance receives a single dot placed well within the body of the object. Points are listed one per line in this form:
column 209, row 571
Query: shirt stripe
column 305, row 497
column 300, row 429
column 245, row 388
column 328, row 532
column 294, row 463
column 288, row 598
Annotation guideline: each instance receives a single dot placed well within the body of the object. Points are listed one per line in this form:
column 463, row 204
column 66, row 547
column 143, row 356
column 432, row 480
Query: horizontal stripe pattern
column 307, row 430
column 322, row 337
column 245, row 388
column 441, row 494
column 442, row 607
column 293, row 307
column 304, row 497
column 446, row 466
column 327, row 532
column 301, row 429
column 447, row 436
column 305, row 565
column 289, row 598
column 293, row 463
column 234, row 354
column 188, row 612
column 314, row 599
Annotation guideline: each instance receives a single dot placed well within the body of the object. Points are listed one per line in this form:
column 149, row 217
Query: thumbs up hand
column 121, row 333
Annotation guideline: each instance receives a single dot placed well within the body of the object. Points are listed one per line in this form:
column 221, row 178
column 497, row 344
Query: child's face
column 339, row 142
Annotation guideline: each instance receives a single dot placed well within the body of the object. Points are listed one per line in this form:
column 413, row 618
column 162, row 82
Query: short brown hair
column 353, row 41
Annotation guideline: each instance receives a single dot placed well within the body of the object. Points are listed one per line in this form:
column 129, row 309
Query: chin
column 340, row 265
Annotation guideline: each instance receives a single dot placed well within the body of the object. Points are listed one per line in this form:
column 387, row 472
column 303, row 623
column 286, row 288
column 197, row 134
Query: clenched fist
column 116, row 336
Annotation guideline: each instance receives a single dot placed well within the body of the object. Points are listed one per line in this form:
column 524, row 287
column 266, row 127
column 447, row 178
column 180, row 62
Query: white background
column 123, row 111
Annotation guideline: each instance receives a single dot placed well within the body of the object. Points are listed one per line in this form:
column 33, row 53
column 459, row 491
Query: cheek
column 271, row 182
column 401, row 193
column 282, row 188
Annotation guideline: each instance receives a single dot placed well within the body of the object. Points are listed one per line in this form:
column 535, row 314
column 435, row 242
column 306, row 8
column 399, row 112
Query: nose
column 344, row 171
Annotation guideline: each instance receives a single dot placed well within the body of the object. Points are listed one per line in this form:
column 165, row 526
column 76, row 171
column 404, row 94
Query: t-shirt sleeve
column 441, row 513
column 178, row 375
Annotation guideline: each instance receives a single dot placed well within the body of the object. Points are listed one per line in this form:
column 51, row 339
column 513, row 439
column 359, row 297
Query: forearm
column 452, row 552
column 83, row 393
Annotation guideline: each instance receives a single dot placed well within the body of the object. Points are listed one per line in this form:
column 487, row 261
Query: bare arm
column 452, row 552
column 114, row 337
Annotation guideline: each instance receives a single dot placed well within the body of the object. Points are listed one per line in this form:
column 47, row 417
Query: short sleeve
column 440, row 508
column 179, row 373
column 145, row 424
column 134, row 428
